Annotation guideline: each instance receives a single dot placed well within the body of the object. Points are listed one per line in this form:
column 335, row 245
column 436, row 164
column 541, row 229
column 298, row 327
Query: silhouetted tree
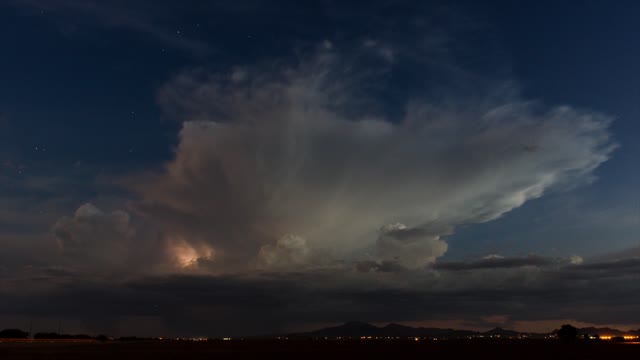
column 567, row 333
column 13, row 334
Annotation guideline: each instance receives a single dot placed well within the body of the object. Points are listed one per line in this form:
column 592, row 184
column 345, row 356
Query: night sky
column 251, row 167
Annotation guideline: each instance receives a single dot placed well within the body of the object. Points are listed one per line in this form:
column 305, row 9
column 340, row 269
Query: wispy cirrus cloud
column 151, row 20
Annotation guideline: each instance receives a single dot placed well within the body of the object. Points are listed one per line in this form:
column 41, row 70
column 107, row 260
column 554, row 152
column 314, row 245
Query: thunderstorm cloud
column 287, row 168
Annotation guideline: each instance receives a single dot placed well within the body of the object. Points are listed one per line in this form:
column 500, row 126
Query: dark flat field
column 520, row 349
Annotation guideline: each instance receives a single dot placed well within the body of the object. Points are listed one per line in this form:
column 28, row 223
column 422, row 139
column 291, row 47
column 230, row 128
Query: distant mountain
column 356, row 329
column 501, row 332
column 359, row 329
column 396, row 330
column 349, row 329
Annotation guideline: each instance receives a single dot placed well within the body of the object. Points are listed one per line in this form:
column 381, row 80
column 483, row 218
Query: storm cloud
column 260, row 303
column 495, row 262
column 266, row 157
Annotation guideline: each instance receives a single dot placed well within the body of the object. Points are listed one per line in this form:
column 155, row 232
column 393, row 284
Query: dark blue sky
column 85, row 116
column 79, row 82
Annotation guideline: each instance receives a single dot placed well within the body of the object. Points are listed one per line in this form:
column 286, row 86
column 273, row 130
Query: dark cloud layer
column 267, row 303
column 494, row 262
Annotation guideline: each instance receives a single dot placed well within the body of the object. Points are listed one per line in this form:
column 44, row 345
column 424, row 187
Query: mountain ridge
column 358, row 329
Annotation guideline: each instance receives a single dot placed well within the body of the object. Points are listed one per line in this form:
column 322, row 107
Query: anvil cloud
column 287, row 168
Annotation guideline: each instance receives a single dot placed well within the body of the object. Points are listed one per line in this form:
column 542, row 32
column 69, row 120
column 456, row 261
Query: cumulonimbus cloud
column 290, row 154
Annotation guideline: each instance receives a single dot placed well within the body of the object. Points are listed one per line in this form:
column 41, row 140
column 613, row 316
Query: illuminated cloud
column 292, row 151
column 187, row 255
